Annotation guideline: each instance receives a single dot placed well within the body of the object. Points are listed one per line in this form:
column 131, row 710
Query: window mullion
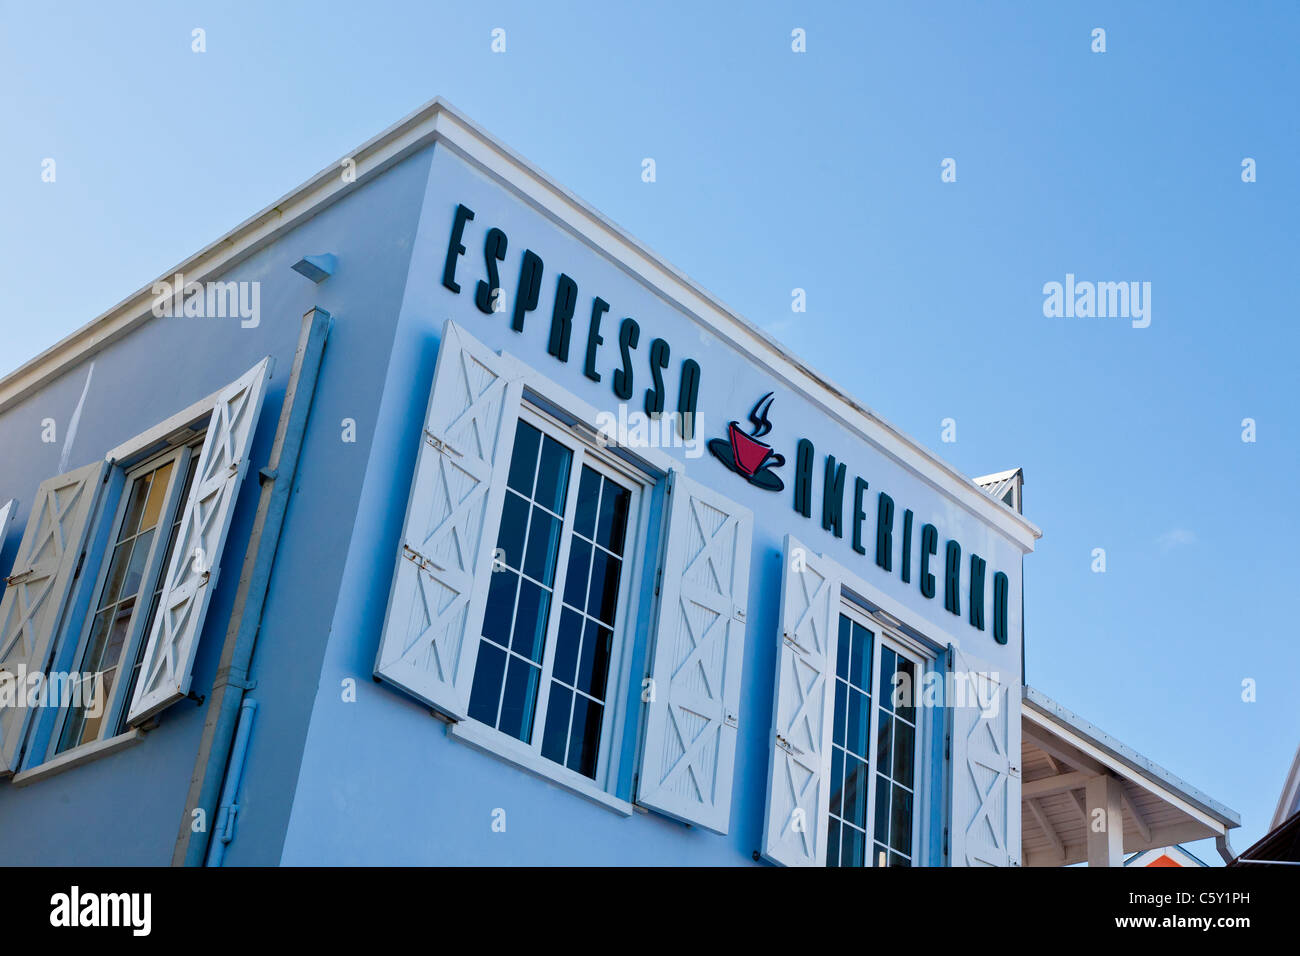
column 919, row 774
column 873, row 746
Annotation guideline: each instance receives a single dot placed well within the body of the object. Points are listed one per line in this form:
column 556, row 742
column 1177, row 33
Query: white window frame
column 885, row 635
column 186, row 428
column 181, row 454
column 588, row 452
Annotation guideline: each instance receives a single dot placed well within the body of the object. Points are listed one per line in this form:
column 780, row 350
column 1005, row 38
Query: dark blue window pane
column 486, row 692
column 543, row 547
column 584, row 521
column 833, row 844
column 853, row 845
column 602, row 598
column 500, row 607
column 584, row 735
column 530, row 620
column 896, row 860
column 906, row 705
column 520, row 699
column 843, row 647
column 612, row 524
column 593, row 666
column 855, row 791
column 882, row 808
column 904, row 751
column 553, row 476
column 886, row 678
column 841, row 712
column 514, row 523
column 884, row 734
column 837, row 780
column 575, row 579
column 860, row 663
column 523, row 459
column 858, row 733
column 567, row 646
column 862, row 645
column 556, row 735
column 900, row 823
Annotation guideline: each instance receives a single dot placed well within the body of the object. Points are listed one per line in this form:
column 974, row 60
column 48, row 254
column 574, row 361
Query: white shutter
column 191, row 574
column 984, row 824
column 38, row 587
column 693, row 716
column 798, row 784
column 444, row 560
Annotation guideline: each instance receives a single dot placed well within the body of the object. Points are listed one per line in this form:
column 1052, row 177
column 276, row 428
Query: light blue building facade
column 427, row 518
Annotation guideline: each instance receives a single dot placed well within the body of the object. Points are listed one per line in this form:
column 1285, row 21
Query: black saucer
column 763, row 478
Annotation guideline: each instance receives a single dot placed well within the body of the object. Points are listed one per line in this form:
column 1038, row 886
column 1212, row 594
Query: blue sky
column 821, row 171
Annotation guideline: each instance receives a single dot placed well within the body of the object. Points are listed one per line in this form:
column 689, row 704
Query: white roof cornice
column 437, row 121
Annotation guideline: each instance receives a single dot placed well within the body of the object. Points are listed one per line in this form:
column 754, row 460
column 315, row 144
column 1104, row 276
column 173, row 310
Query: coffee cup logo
column 747, row 454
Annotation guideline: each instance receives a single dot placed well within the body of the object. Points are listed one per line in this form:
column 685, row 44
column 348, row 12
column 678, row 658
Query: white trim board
column 437, row 121
column 1285, row 802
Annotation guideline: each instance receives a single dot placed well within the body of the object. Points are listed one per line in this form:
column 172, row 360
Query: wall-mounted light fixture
column 316, row 268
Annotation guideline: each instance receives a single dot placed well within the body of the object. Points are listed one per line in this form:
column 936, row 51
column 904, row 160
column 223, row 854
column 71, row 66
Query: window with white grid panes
column 127, row 596
column 875, row 749
column 557, row 599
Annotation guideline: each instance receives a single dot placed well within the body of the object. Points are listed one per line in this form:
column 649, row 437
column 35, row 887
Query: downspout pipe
column 225, row 826
column 232, row 681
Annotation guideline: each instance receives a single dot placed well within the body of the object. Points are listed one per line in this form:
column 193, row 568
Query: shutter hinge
column 947, row 746
column 731, row 720
column 1013, row 770
column 419, row 560
column 440, row 444
column 22, row 576
column 267, row 475
column 659, row 580
column 785, row 636
column 738, row 613
column 233, row 467
column 788, row 747
column 945, row 842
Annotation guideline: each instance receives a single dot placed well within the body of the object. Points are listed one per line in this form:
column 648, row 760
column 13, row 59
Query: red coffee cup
column 750, row 453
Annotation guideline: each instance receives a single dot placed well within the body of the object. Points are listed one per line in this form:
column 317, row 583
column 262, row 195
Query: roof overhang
column 438, row 122
column 1279, row 847
column 1061, row 752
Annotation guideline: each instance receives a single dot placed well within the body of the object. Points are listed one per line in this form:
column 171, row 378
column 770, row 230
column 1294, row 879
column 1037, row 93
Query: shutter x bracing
column 38, row 588
column 984, row 818
column 692, row 716
column 444, row 559
column 191, row 574
column 798, row 786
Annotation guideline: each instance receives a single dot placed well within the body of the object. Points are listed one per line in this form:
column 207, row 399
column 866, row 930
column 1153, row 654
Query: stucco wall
column 126, row 808
column 381, row 781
